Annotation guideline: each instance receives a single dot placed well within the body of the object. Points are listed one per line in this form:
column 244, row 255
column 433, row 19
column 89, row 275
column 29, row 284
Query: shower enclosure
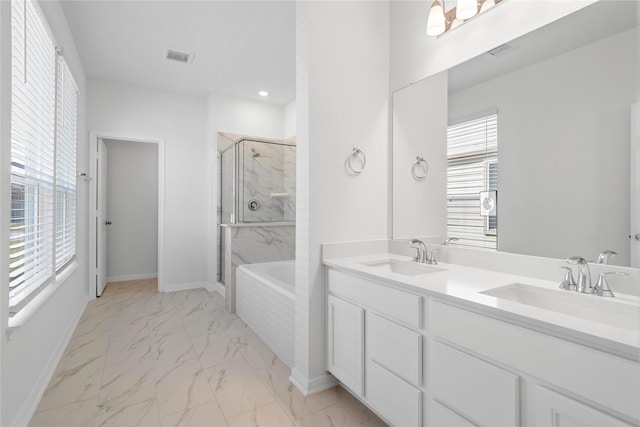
column 258, row 182
column 257, row 200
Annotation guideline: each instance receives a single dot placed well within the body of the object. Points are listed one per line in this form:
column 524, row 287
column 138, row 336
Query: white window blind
column 43, row 110
column 65, row 165
column 472, row 152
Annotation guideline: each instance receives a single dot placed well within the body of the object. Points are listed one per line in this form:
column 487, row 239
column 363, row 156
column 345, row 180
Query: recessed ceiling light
column 263, row 93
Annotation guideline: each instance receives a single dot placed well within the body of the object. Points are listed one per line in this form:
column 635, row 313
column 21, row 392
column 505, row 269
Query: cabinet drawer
column 441, row 416
column 395, row 348
column 394, row 303
column 397, row 401
column 481, row 392
column 553, row 409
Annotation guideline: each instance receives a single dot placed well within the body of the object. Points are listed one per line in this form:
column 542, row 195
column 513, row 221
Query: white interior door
column 101, row 218
column 635, row 186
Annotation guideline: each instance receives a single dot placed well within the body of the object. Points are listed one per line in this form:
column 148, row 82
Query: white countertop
column 463, row 285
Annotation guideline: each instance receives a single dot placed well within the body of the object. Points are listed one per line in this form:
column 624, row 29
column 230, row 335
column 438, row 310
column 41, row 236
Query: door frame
column 635, row 187
column 93, row 149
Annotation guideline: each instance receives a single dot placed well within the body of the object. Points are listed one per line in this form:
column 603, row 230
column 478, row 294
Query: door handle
column 107, row 223
column 638, row 236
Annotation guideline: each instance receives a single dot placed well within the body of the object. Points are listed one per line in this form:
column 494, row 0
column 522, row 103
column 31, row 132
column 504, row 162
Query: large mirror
column 559, row 102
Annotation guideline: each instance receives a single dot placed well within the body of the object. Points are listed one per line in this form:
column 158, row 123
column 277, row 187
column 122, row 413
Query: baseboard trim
column 314, row 385
column 27, row 410
column 216, row 287
column 131, row 277
column 182, row 286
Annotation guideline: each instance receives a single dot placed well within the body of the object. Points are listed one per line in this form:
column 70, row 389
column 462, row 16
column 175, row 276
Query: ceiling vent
column 503, row 48
column 179, row 56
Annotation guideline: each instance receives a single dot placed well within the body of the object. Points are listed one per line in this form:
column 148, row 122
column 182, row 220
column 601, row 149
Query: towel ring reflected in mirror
column 357, row 154
column 420, row 168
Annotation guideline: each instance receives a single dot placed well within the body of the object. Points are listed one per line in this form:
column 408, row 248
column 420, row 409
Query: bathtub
column 265, row 301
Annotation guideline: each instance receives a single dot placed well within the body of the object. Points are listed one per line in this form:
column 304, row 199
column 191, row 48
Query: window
column 472, row 169
column 43, row 160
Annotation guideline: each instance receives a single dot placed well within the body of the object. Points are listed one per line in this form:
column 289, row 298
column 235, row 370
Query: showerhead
column 254, row 153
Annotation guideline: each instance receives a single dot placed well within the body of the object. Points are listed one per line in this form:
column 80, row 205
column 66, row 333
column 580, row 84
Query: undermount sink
column 403, row 267
column 584, row 306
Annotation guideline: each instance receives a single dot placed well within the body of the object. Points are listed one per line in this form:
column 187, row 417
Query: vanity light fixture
column 441, row 20
column 263, row 93
column 436, row 23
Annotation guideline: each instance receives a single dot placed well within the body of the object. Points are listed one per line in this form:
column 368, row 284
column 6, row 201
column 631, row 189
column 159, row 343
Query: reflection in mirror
column 563, row 96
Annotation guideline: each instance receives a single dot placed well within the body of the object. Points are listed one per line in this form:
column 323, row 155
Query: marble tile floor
column 143, row 358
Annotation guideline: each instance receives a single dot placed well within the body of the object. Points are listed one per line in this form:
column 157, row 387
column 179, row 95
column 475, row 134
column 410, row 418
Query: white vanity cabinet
column 420, row 359
column 389, row 357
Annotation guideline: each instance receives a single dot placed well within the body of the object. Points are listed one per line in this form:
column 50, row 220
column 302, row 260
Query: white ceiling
column 595, row 22
column 240, row 47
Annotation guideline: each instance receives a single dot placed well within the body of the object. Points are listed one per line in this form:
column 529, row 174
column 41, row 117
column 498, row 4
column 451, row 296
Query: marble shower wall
column 289, row 156
column 247, row 244
column 268, row 177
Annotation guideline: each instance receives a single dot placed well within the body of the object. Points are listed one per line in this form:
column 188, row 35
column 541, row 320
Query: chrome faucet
column 449, row 240
column 603, row 258
column 421, row 251
column 584, row 274
column 423, row 254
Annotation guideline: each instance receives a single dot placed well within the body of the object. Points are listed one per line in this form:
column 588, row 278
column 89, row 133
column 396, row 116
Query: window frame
column 26, row 293
column 472, row 143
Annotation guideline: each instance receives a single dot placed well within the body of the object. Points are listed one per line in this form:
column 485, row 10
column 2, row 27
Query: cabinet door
column 556, row 410
column 345, row 343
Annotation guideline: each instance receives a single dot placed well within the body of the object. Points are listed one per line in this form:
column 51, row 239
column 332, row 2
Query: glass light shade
column 436, row 22
column 466, row 9
column 487, row 4
column 455, row 23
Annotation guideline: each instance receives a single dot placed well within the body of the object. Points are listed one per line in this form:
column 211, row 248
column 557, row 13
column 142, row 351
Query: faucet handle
column 568, row 283
column 418, row 255
column 602, row 287
column 431, row 257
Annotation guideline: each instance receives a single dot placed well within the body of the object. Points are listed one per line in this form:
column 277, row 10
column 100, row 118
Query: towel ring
column 420, row 163
column 357, row 154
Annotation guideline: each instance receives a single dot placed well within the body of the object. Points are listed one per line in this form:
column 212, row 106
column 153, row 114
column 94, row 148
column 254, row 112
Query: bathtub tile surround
column 178, row 369
column 249, row 244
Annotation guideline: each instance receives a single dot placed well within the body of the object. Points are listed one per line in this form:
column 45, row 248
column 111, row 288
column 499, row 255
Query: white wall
column 414, row 55
column 180, row 120
column 563, row 149
column 132, row 208
column 420, row 129
column 31, row 353
column 243, row 117
column 342, row 100
column 290, row 120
